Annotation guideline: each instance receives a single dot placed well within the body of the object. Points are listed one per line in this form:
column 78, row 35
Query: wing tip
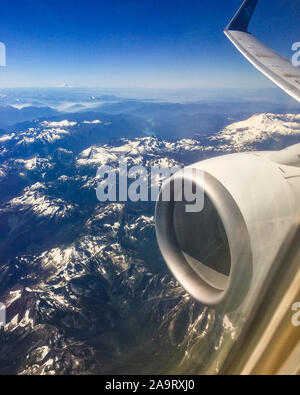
column 242, row 18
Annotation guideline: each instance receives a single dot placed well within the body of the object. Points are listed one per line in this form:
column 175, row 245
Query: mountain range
column 84, row 284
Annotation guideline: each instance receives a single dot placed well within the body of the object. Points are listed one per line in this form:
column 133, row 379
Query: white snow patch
column 63, row 124
column 95, row 122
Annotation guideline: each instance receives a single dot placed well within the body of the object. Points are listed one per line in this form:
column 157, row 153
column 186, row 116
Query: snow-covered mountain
column 85, row 286
column 259, row 129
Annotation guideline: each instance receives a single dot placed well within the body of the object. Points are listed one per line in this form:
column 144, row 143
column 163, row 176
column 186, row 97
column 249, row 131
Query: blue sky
column 136, row 43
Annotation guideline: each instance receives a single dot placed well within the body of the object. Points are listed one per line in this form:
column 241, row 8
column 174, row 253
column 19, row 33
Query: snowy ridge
column 137, row 150
column 45, row 132
column 34, row 199
column 258, row 128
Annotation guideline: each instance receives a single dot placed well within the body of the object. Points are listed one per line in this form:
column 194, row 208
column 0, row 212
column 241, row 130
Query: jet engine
column 251, row 201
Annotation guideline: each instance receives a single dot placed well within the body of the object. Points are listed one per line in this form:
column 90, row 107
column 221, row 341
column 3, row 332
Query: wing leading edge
column 277, row 68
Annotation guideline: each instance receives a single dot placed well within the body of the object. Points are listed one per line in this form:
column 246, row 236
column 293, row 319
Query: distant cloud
column 65, row 85
column 97, row 121
column 59, row 124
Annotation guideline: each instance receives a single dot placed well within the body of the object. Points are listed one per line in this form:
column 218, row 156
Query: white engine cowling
column 250, row 203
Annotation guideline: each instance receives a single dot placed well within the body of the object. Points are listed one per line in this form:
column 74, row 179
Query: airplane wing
column 277, row 68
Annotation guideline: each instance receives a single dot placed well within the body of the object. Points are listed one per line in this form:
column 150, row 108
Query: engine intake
column 219, row 252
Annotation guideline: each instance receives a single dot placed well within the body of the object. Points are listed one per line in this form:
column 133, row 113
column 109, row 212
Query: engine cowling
column 226, row 250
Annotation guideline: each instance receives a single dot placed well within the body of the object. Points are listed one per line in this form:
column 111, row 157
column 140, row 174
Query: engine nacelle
column 250, row 203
